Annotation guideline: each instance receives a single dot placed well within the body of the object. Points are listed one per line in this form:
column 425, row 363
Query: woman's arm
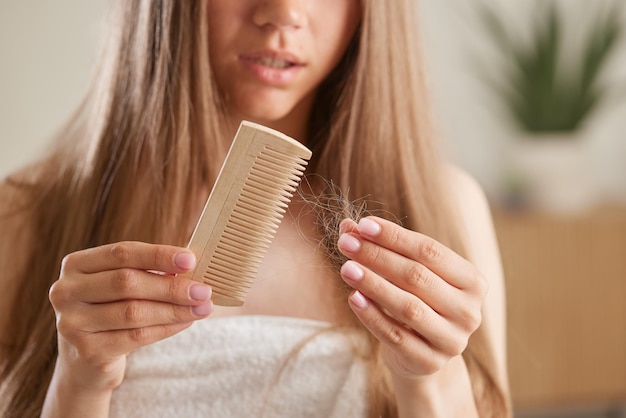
column 446, row 393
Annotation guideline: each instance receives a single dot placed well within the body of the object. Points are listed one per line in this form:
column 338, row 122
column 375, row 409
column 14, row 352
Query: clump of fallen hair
column 330, row 205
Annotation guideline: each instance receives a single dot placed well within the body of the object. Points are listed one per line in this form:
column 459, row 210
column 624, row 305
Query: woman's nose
column 281, row 14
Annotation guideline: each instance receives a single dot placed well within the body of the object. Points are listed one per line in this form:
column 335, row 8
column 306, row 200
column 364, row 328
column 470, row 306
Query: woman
column 117, row 198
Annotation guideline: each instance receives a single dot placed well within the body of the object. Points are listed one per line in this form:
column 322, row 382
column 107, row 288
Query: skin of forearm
column 65, row 400
column 447, row 393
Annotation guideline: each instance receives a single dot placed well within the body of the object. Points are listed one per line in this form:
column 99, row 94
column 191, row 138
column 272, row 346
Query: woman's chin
column 271, row 109
column 265, row 116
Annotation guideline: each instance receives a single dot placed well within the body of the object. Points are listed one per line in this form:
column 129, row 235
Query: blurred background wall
column 459, row 48
column 47, row 50
column 565, row 268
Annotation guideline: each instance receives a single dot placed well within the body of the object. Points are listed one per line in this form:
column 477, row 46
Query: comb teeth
column 261, row 172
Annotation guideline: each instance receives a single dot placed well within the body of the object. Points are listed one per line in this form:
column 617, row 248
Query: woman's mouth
column 273, row 63
column 272, row 68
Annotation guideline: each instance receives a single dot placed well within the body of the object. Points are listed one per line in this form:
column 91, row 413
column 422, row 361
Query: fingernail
column 369, row 227
column 349, row 243
column 203, row 310
column 358, row 300
column 351, row 271
column 185, row 260
column 200, row 292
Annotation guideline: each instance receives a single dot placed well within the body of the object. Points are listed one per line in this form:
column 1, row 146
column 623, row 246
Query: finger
column 135, row 314
column 437, row 257
column 121, row 342
column 419, row 357
column 459, row 306
column 405, row 308
column 130, row 254
column 405, row 273
column 129, row 283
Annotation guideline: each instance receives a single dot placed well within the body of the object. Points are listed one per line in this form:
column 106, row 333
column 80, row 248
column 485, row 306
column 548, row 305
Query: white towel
column 236, row 367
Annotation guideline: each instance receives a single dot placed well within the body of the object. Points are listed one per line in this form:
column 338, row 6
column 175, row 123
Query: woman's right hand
column 113, row 299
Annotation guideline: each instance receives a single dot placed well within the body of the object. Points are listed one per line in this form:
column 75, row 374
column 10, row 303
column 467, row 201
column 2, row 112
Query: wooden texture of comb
column 256, row 182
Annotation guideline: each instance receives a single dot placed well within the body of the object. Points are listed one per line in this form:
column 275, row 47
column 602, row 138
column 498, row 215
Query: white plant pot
column 554, row 172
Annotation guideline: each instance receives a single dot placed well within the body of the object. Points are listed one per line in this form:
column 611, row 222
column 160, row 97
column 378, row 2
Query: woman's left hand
column 420, row 299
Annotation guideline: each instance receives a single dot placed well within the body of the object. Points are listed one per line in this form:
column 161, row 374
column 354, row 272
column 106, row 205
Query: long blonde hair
column 148, row 135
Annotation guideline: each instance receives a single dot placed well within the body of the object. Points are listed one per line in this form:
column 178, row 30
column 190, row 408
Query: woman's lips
column 272, row 68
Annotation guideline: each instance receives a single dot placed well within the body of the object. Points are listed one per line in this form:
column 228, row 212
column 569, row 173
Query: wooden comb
column 256, row 182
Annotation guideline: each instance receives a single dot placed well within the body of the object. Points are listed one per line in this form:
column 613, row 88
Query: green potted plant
column 549, row 96
column 542, row 89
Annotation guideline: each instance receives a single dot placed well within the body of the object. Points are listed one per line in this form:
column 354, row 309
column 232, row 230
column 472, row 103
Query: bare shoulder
column 14, row 194
column 471, row 205
column 474, row 212
column 467, row 192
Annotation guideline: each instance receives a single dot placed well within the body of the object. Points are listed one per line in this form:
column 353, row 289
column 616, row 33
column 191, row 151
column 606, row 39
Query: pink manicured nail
column 349, row 243
column 369, row 227
column 203, row 310
column 185, row 260
column 200, row 292
column 358, row 300
column 351, row 271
